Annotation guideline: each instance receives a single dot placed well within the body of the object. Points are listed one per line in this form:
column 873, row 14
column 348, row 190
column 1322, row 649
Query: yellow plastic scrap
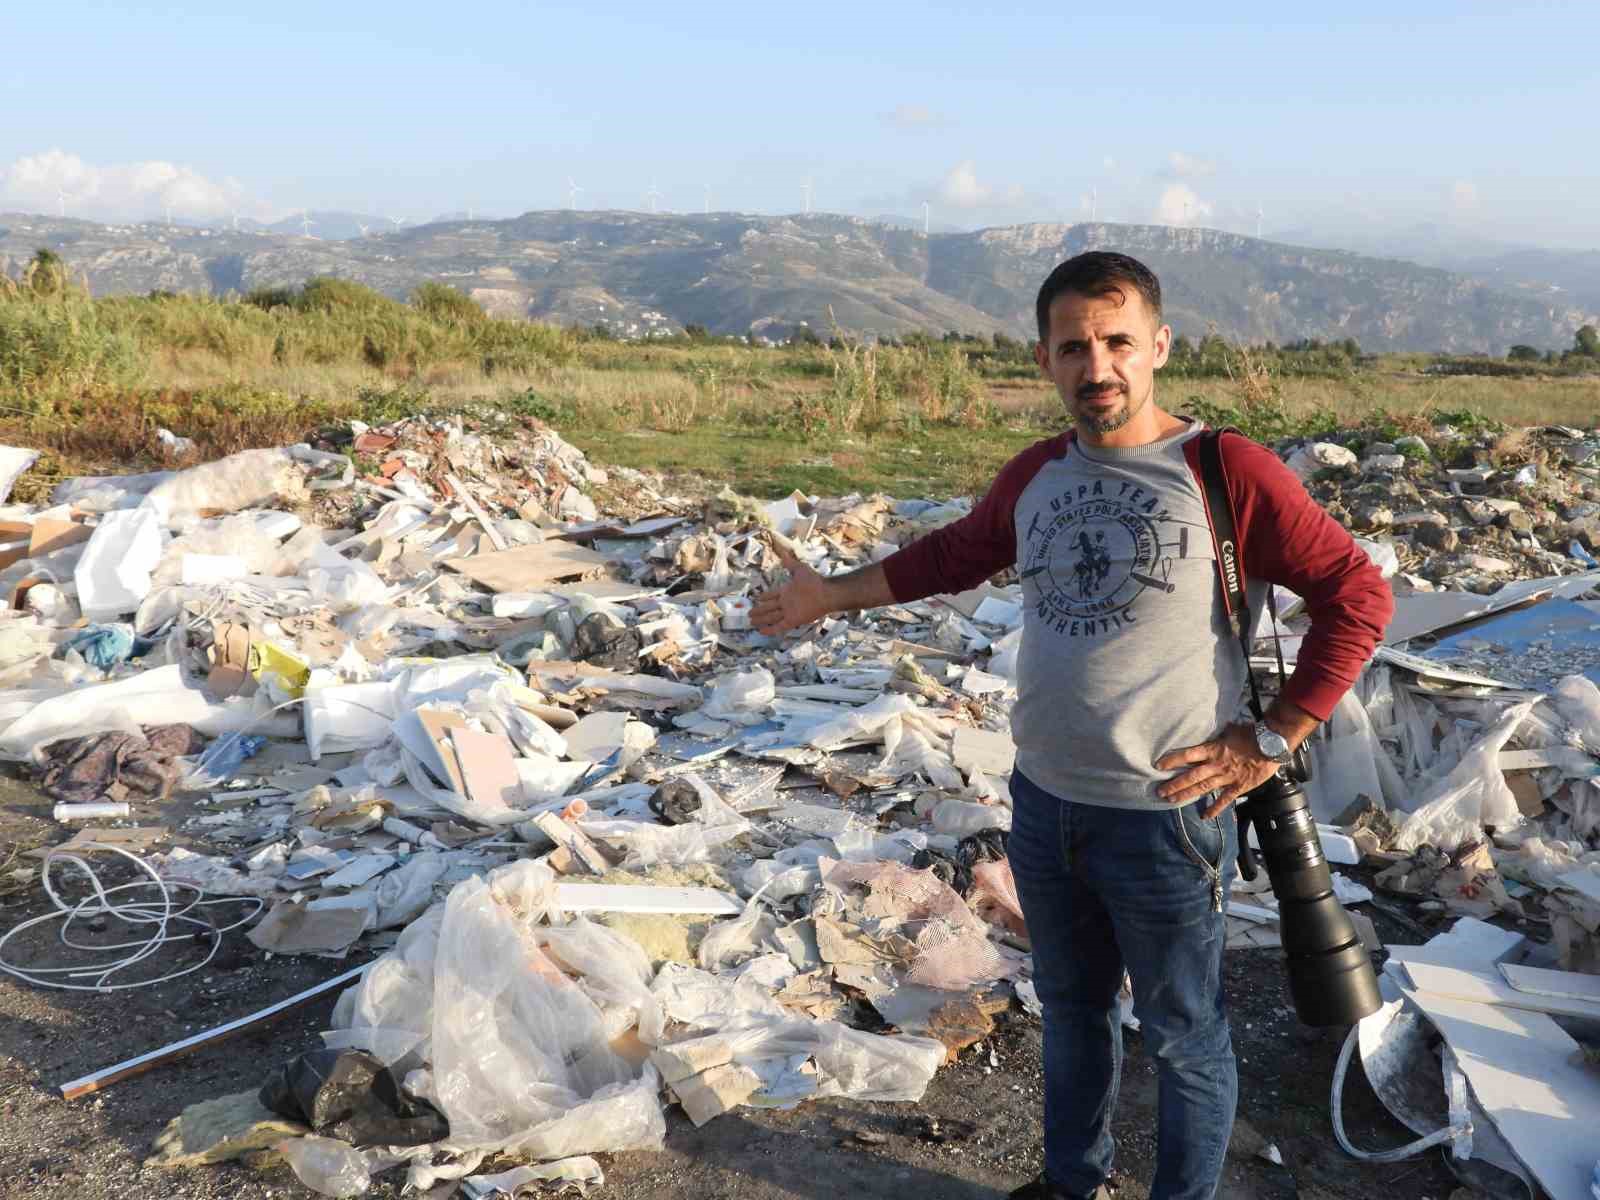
column 292, row 671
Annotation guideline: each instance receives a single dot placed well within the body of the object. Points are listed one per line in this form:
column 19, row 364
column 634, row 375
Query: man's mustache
column 1098, row 391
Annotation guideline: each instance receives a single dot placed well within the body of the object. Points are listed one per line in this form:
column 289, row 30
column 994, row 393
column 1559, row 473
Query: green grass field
column 91, row 380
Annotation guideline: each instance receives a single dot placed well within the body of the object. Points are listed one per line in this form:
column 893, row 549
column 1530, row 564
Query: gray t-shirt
column 1126, row 652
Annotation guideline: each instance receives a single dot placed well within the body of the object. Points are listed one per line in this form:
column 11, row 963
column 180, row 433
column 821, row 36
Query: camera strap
column 1230, row 569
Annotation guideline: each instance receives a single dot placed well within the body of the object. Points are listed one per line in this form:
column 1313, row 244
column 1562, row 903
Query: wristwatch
column 1272, row 744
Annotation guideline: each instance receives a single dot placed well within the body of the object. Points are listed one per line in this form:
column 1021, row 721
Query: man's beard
column 1112, row 421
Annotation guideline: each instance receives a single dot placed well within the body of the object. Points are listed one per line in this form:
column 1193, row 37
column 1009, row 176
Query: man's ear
column 1041, row 355
column 1163, row 346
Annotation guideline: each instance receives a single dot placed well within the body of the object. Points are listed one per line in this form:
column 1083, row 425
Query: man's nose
column 1097, row 366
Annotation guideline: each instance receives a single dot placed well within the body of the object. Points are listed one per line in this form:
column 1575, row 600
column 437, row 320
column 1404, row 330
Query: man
column 1129, row 689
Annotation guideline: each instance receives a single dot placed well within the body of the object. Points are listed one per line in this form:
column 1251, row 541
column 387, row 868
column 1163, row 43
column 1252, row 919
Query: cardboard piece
column 328, row 927
column 14, row 537
column 49, row 535
column 530, row 568
column 230, row 658
column 488, row 768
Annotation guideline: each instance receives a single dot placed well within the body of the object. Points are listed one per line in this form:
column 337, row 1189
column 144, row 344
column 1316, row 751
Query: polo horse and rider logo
column 1090, row 561
column 1093, row 565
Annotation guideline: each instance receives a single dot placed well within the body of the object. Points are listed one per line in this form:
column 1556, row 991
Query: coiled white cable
column 1399, row 1153
column 163, row 912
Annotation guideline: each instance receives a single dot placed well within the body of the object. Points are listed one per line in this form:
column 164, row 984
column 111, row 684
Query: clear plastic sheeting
column 327, row 1166
column 518, row 1051
column 1348, row 762
column 1455, row 810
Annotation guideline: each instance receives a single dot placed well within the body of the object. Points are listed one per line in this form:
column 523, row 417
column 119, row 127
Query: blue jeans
column 1105, row 889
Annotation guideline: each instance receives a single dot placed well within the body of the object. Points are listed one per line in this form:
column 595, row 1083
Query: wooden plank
column 1524, row 1073
column 529, row 568
column 82, row 1086
column 496, row 538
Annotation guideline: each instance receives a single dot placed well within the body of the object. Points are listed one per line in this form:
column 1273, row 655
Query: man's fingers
column 1204, row 752
column 1193, row 783
column 1220, row 804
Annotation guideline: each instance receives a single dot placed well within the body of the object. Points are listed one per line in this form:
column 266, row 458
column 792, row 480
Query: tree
column 1522, row 353
column 1587, row 342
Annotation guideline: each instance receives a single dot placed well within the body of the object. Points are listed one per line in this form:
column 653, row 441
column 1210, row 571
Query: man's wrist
column 1290, row 721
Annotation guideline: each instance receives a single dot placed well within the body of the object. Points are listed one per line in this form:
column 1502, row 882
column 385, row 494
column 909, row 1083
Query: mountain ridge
column 642, row 273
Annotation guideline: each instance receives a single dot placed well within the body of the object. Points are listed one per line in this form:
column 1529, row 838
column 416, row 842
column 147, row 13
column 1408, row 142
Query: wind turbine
column 236, row 222
column 1094, row 204
column 362, row 227
column 806, row 189
column 1258, row 221
column 169, row 216
column 653, row 195
column 305, row 223
column 708, row 198
column 398, row 221
column 572, row 192
column 61, row 201
column 927, row 212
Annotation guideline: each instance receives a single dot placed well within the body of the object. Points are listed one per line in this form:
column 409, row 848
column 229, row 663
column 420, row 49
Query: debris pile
column 461, row 697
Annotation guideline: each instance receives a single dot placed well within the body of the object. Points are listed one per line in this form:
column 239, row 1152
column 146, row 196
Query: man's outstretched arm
column 808, row 596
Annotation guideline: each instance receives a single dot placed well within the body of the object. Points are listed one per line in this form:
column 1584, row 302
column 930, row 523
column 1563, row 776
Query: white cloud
column 915, row 116
column 961, row 188
column 1180, row 206
column 1188, row 166
column 120, row 191
column 1464, row 196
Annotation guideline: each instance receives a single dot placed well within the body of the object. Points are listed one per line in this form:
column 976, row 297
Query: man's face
column 1102, row 355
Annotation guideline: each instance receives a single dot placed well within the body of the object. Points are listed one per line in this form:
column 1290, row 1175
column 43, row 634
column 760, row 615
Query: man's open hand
column 799, row 602
column 1229, row 765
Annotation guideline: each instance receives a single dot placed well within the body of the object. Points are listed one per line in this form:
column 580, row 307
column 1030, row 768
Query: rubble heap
column 463, row 697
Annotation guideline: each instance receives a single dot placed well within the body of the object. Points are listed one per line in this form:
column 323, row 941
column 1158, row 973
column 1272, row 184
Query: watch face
column 1271, row 743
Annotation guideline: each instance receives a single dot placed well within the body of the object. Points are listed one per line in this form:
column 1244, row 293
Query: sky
column 1354, row 119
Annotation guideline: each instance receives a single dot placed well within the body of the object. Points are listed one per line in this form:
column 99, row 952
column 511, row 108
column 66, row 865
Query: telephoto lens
column 1330, row 976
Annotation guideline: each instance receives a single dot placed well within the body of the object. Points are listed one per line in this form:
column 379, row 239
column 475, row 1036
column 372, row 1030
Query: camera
column 1330, row 975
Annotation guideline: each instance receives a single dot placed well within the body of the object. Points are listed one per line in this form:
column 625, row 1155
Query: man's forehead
column 1110, row 313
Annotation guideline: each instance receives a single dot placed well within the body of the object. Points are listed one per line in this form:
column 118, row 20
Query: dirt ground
column 974, row 1136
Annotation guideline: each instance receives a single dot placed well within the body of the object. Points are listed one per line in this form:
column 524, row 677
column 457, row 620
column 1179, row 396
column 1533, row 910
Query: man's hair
column 1099, row 273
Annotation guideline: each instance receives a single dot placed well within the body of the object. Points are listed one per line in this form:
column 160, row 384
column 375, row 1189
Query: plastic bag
column 350, row 1095
column 248, row 479
column 1348, row 761
column 1577, row 699
column 1455, row 809
column 746, row 693
column 729, row 943
column 326, row 1166
column 113, row 573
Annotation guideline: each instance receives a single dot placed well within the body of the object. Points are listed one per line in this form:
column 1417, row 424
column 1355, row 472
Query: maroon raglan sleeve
column 1289, row 539
column 966, row 552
